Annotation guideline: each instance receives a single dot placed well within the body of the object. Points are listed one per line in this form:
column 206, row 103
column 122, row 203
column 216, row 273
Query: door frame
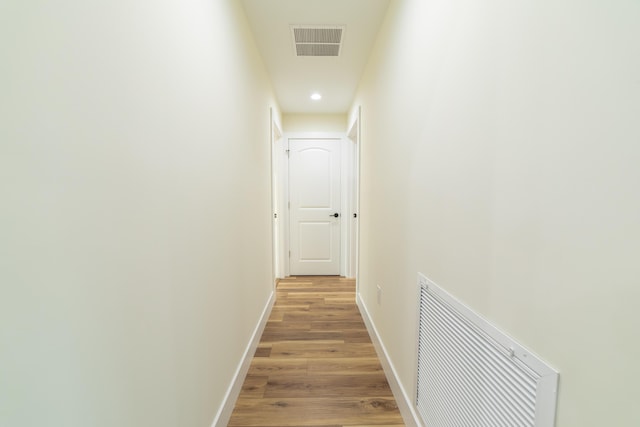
column 283, row 174
column 275, row 139
column 354, row 136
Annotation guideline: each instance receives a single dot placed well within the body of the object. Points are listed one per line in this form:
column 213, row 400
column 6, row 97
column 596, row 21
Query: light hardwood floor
column 315, row 364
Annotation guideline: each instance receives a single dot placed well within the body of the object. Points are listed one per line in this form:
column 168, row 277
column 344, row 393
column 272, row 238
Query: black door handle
column 335, row 215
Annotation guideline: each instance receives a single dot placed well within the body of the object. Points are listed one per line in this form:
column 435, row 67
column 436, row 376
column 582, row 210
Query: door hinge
column 289, row 254
column 289, row 205
column 287, row 151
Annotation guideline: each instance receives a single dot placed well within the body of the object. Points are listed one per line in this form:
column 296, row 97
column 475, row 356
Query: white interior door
column 314, row 194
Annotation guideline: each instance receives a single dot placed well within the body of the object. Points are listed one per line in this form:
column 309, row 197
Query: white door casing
column 314, row 194
column 275, row 140
column 353, row 136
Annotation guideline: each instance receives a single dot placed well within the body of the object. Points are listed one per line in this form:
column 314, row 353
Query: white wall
column 314, row 122
column 135, row 209
column 500, row 153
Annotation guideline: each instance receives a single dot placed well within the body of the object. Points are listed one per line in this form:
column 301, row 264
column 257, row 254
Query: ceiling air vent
column 315, row 40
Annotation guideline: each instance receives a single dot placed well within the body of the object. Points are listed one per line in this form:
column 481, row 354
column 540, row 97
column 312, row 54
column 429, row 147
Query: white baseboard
column 405, row 403
column 224, row 413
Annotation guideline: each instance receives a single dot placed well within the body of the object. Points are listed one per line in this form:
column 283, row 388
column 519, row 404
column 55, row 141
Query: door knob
column 335, row 215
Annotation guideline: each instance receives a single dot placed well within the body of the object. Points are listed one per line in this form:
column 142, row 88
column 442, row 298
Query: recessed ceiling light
column 316, row 96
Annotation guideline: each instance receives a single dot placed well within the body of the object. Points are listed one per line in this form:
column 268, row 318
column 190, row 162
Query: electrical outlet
column 379, row 294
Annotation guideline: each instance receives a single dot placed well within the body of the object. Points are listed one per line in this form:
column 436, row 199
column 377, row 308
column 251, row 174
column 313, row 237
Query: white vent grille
column 317, row 40
column 471, row 374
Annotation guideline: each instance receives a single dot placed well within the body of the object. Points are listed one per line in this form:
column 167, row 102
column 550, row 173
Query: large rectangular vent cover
column 315, row 40
column 471, row 374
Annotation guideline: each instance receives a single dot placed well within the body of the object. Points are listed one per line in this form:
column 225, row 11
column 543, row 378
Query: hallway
column 315, row 364
column 497, row 147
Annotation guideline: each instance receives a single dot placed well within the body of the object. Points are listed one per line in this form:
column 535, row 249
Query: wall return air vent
column 472, row 374
column 317, row 40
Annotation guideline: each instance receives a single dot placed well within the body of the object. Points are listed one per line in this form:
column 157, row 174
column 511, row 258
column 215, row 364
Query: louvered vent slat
column 317, row 35
column 317, row 50
column 470, row 374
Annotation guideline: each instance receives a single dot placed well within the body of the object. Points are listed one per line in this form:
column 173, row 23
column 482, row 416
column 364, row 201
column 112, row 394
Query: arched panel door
column 314, row 193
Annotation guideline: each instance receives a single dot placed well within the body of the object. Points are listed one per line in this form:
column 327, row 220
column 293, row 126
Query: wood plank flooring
column 315, row 364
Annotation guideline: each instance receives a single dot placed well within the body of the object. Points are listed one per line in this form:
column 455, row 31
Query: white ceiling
column 296, row 78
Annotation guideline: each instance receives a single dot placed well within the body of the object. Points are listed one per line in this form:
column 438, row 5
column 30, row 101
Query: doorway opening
column 275, row 139
column 308, row 236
